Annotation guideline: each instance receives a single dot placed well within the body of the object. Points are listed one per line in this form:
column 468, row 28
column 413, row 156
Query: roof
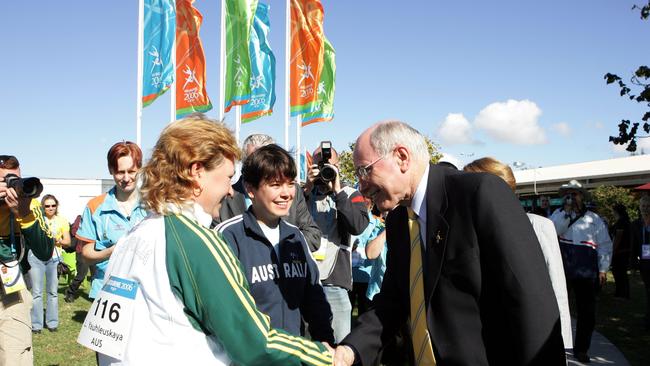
column 629, row 171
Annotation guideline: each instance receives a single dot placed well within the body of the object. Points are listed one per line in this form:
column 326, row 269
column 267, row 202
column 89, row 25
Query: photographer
column 339, row 211
column 22, row 228
column 586, row 251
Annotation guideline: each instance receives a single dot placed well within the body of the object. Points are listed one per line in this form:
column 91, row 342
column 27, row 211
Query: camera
column 24, row 187
column 327, row 171
column 569, row 199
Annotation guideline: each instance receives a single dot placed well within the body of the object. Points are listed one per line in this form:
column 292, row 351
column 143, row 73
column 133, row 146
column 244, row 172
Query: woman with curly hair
column 193, row 304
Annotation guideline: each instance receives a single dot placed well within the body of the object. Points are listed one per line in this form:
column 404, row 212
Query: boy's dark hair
column 268, row 163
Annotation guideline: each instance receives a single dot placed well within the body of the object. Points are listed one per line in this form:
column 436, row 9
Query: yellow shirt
column 57, row 225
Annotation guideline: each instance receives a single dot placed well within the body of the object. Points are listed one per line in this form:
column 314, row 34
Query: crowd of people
column 441, row 262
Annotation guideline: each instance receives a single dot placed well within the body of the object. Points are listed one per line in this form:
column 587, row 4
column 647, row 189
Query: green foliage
column 640, row 81
column 346, row 165
column 605, row 197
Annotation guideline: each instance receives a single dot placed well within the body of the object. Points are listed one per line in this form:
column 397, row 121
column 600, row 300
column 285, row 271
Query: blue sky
column 517, row 80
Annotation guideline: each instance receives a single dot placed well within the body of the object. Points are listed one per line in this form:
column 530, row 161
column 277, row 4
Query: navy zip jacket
column 284, row 282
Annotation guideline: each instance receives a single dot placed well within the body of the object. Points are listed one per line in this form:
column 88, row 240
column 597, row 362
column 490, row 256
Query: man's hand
column 602, row 278
column 336, row 184
column 312, row 174
column 19, row 205
column 344, row 356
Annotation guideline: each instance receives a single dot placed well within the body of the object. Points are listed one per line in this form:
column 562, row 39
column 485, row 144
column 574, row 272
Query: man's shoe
column 52, row 329
column 582, row 357
column 68, row 298
column 36, row 331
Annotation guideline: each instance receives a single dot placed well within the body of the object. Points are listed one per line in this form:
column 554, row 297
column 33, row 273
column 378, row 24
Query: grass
column 61, row 347
column 621, row 321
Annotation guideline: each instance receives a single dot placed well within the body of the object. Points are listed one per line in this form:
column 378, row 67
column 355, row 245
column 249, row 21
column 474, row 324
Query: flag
column 306, row 54
column 262, row 80
column 191, row 95
column 324, row 109
column 239, row 21
column 159, row 33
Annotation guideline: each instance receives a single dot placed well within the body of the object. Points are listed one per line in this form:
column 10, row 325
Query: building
column 628, row 172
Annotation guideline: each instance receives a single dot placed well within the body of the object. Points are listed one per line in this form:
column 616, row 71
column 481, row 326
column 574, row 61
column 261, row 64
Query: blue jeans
column 44, row 269
column 339, row 302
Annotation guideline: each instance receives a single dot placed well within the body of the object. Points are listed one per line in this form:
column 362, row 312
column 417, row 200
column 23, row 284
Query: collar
column 251, row 224
column 110, row 203
column 420, row 193
column 193, row 211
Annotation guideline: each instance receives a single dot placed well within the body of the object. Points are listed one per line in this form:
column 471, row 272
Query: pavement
column 601, row 351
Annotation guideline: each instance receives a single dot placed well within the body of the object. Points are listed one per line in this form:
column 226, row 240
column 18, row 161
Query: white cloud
column 562, row 128
column 599, row 125
column 513, row 121
column 455, row 129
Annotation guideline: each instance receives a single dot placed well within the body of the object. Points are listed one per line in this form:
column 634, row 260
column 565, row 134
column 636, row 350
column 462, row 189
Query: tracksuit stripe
column 245, row 298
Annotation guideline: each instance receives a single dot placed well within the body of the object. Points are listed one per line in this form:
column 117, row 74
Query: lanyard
column 12, row 239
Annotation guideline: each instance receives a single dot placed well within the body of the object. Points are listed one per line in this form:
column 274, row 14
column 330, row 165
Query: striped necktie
column 422, row 348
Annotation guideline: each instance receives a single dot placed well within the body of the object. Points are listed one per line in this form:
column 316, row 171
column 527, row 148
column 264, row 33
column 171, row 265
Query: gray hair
column 255, row 140
column 644, row 205
column 389, row 134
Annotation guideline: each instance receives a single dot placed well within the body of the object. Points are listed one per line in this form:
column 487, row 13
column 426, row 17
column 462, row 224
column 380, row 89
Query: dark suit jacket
column 298, row 213
column 488, row 294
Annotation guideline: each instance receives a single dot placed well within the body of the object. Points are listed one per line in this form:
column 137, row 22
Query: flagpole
column 287, row 60
column 237, row 122
column 138, row 112
column 298, row 125
column 172, row 94
column 222, row 65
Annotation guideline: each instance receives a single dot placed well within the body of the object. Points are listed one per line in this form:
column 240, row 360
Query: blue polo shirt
column 102, row 224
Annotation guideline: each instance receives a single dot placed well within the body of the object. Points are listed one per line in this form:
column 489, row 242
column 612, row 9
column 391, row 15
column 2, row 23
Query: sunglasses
column 50, row 206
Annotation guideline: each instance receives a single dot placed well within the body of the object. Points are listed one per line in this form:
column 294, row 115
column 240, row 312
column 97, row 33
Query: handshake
column 342, row 355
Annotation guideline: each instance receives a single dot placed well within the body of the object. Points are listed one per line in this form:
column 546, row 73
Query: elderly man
column 464, row 266
column 586, row 252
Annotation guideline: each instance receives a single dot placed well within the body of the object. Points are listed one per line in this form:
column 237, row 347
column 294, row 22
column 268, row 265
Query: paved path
column 602, row 352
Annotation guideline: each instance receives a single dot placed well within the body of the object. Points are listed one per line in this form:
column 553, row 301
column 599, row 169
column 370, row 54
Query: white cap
column 451, row 160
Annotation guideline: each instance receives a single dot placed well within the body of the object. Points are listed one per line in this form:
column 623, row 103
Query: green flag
column 239, row 21
column 325, row 103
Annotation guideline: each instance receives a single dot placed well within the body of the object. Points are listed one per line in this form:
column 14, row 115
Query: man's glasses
column 363, row 172
column 50, row 206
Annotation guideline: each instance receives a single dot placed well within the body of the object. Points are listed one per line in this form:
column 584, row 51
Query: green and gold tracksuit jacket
column 194, row 304
column 32, row 228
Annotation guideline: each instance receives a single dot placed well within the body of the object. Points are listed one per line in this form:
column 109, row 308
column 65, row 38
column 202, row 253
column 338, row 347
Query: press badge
column 645, row 251
column 107, row 326
column 12, row 279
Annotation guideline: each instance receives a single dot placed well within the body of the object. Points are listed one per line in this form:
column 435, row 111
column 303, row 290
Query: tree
column 346, row 165
column 605, row 197
column 640, row 81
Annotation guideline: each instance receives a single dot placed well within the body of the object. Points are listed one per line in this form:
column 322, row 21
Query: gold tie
column 422, row 348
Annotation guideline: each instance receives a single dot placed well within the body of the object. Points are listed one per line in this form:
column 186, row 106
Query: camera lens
column 32, row 187
column 328, row 173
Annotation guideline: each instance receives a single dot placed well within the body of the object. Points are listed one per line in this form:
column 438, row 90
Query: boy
column 283, row 276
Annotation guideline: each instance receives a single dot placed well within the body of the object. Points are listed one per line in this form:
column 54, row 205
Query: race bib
column 108, row 322
column 12, row 279
column 645, row 251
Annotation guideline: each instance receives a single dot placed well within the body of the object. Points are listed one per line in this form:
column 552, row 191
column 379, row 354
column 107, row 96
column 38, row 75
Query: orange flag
column 191, row 95
column 307, row 50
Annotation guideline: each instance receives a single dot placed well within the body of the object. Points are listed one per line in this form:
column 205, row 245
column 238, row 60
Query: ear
column 196, row 170
column 249, row 190
column 403, row 156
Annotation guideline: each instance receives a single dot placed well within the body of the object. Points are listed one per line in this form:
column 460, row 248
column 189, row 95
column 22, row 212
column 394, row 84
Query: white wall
column 73, row 194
